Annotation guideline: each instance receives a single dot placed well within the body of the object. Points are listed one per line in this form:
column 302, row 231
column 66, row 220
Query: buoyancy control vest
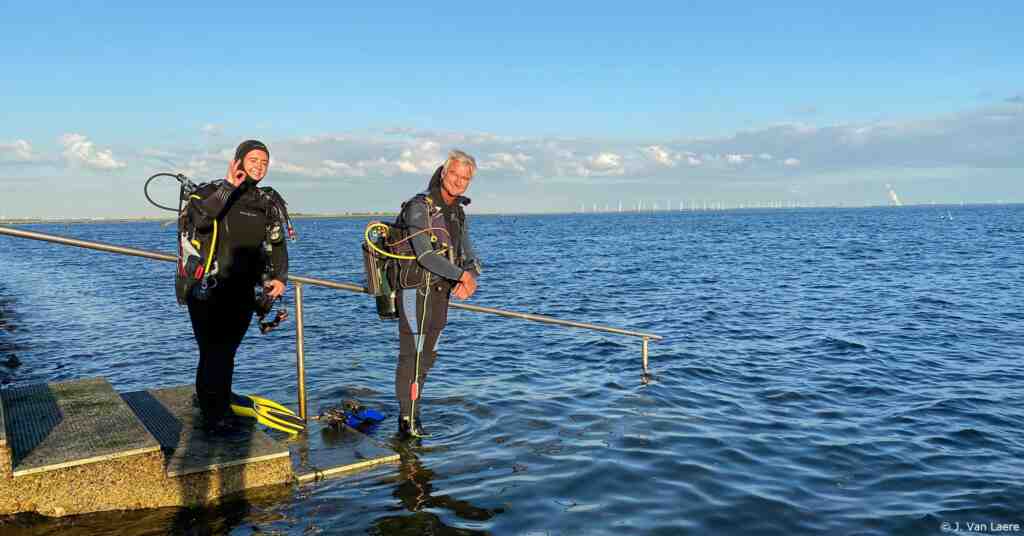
column 445, row 241
column 390, row 261
column 201, row 257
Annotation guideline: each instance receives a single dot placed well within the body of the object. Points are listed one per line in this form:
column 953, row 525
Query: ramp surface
column 169, row 415
column 58, row 425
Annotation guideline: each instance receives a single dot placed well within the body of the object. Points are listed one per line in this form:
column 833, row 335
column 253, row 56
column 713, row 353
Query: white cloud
column 737, row 158
column 18, row 151
column 609, row 162
column 158, row 153
column 506, row 161
column 422, row 157
column 344, row 168
column 984, row 138
column 661, row 156
column 212, row 129
column 78, row 150
column 407, row 166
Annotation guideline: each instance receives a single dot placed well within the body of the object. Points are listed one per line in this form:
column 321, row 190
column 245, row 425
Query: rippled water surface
column 847, row 371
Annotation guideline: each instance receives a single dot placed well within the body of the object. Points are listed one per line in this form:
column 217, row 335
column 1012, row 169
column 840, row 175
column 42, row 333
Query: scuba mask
column 264, row 305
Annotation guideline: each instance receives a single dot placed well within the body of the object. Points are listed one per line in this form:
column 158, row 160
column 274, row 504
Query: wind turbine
column 894, row 199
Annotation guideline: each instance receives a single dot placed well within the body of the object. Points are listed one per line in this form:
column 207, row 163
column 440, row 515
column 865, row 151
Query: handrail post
column 647, row 375
column 300, row 351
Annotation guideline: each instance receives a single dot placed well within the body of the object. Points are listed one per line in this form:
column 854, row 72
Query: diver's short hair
column 456, row 155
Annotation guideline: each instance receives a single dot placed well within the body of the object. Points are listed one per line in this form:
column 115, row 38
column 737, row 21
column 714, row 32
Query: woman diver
column 247, row 227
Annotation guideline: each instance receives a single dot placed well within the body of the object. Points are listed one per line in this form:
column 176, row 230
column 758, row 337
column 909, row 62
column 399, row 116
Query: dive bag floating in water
column 267, row 412
column 353, row 415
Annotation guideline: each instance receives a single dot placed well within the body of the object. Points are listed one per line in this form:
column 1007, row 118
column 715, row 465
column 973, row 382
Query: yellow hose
column 366, row 236
column 213, row 243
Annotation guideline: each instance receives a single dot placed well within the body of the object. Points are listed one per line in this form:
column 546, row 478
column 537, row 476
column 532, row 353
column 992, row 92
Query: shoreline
column 143, row 219
column 356, row 215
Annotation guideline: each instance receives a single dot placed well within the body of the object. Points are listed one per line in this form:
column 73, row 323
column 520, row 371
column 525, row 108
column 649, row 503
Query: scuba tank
column 377, row 267
column 197, row 248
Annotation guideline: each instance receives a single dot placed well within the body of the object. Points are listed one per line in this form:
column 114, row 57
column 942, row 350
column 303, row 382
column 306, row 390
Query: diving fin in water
column 267, row 412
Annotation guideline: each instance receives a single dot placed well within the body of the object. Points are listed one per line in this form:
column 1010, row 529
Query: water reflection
column 9, row 360
column 254, row 509
column 415, row 492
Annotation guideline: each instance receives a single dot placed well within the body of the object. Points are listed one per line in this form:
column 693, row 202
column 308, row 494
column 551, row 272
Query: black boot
column 415, row 431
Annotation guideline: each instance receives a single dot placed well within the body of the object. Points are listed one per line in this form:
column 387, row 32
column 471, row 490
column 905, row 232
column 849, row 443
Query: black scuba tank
column 196, row 264
column 376, row 266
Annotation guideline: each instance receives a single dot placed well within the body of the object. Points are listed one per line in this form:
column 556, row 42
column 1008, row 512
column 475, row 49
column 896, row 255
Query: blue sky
column 562, row 103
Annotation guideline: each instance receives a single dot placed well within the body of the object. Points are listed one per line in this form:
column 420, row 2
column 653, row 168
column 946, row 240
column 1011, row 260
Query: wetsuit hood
column 250, row 145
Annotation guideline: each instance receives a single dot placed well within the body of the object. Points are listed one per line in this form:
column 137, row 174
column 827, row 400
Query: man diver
column 435, row 232
column 221, row 313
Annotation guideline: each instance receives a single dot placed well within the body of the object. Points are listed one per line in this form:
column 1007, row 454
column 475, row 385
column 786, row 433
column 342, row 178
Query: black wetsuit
column 426, row 284
column 220, row 321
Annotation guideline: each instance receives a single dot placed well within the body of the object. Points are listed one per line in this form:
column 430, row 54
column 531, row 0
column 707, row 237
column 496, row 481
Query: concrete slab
column 183, row 467
column 61, row 425
column 170, row 417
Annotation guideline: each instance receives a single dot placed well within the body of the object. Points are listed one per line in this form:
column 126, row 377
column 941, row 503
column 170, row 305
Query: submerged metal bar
column 324, row 474
column 300, row 350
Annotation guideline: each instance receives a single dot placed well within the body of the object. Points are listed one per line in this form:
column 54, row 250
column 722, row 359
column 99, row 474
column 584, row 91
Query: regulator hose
column 186, row 187
column 370, row 242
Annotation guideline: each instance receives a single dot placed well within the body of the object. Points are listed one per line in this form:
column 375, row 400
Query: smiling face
column 457, row 178
column 255, row 163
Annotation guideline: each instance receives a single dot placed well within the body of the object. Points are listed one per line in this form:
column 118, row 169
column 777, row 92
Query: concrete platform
column 78, row 447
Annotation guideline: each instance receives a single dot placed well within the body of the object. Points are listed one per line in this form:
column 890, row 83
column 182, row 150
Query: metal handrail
column 298, row 281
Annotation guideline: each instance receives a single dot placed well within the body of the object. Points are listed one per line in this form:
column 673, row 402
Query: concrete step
column 60, row 425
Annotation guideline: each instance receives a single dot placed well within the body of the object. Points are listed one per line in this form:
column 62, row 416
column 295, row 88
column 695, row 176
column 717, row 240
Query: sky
column 564, row 104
